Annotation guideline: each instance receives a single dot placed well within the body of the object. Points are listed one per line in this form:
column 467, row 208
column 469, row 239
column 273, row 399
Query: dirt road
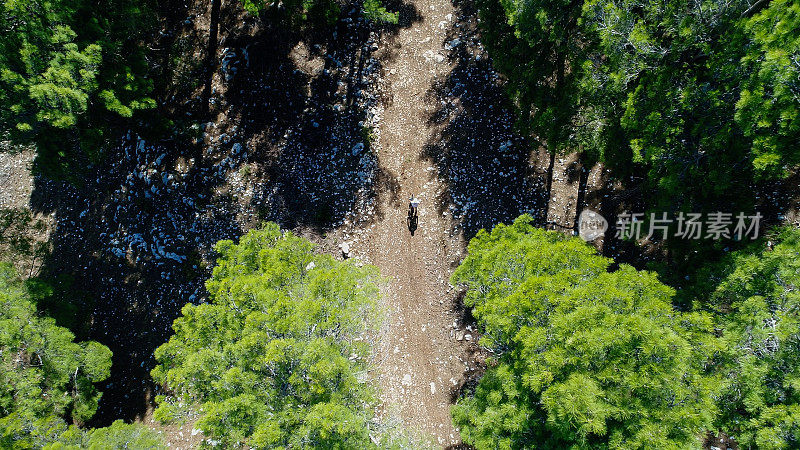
column 420, row 359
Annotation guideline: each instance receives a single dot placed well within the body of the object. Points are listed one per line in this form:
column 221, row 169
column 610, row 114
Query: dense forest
column 212, row 247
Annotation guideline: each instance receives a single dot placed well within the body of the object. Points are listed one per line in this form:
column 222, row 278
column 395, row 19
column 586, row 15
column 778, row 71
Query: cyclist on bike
column 413, row 203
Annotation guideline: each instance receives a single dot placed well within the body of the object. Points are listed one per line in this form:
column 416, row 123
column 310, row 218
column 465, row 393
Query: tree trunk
column 210, row 69
column 549, row 185
column 211, row 56
column 583, row 181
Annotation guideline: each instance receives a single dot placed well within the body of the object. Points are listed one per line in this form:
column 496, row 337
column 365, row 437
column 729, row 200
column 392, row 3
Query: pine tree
column 278, row 355
column 584, row 357
column 45, row 375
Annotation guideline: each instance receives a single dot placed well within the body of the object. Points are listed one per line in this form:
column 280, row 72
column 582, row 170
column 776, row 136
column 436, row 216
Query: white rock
column 433, row 388
column 406, row 379
column 454, row 43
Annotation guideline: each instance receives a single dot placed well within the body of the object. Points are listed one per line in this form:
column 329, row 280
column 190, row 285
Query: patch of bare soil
column 176, row 436
column 24, row 234
column 15, row 176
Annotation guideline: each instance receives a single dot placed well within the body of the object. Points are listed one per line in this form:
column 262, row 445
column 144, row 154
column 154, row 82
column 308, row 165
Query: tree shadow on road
column 480, row 156
column 314, row 146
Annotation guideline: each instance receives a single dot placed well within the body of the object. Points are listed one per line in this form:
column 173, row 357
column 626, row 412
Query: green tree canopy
column 702, row 96
column 45, row 375
column 584, row 357
column 277, row 358
column 117, row 436
column 67, row 68
column 757, row 302
column 768, row 109
column 322, row 10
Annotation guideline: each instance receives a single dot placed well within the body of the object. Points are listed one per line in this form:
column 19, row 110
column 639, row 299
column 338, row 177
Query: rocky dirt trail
column 423, row 350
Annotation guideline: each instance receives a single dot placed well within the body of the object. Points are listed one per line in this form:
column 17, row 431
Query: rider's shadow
column 412, row 223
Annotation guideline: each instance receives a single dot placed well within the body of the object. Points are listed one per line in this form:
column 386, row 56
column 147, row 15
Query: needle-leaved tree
column 758, row 305
column 585, row 357
column 45, row 375
column 277, row 358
